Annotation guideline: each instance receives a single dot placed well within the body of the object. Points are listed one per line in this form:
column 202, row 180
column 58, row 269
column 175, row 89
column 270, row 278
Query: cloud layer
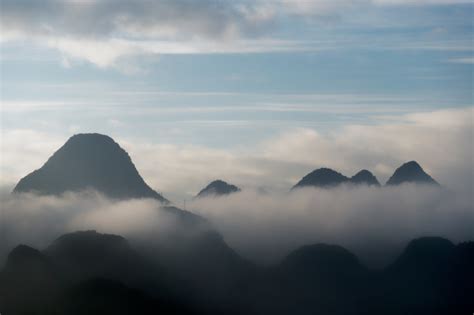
column 107, row 32
column 375, row 223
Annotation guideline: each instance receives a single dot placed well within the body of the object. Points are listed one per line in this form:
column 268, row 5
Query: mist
column 373, row 222
column 38, row 220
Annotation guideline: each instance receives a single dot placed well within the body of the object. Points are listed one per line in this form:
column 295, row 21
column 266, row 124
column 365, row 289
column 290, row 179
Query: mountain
column 109, row 277
column 217, row 188
column 327, row 178
column 364, row 177
column 321, row 261
column 28, row 283
column 410, row 172
column 92, row 273
column 425, row 279
column 89, row 161
column 423, row 253
column 86, row 271
column 322, row 177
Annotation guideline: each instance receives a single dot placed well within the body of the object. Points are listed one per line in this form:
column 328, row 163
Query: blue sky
column 227, row 75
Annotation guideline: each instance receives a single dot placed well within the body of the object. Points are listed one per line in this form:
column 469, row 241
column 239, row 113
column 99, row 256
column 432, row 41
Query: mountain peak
column 218, row 188
column 89, row 161
column 322, row 177
column 365, row 177
column 410, row 172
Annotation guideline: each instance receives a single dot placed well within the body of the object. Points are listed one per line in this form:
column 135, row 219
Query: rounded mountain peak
column 322, row 177
column 218, row 188
column 365, row 177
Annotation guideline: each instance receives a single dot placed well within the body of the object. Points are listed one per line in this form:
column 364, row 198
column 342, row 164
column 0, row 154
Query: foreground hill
column 92, row 273
column 89, row 161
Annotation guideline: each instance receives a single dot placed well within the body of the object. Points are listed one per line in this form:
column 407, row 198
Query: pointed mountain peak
column 322, row 177
column 364, row 177
column 89, row 161
column 410, row 172
column 218, row 188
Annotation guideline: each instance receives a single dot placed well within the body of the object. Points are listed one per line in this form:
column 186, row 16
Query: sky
column 257, row 93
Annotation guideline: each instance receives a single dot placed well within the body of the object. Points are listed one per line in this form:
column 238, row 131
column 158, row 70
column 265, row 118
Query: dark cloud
column 137, row 19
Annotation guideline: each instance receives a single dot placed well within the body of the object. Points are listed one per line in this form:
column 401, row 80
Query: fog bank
column 373, row 222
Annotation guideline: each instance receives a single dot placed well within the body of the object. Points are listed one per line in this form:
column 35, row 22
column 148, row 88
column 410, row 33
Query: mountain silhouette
column 364, row 177
column 28, row 283
column 323, row 261
column 89, row 161
column 410, row 172
column 217, row 188
column 322, row 177
column 425, row 279
column 328, row 178
column 94, row 273
column 424, row 252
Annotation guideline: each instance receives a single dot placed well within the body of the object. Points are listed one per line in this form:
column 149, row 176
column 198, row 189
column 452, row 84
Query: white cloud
column 23, row 151
column 441, row 141
column 375, row 223
column 466, row 60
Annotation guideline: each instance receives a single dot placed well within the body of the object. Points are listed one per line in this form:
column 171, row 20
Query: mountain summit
column 365, row 177
column 410, row 172
column 217, row 188
column 328, row 178
column 322, row 177
column 89, row 161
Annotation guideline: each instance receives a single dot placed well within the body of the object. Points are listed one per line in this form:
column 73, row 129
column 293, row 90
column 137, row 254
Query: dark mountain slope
column 328, row 178
column 410, row 172
column 217, row 188
column 322, row 177
column 364, row 177
column 89, row 161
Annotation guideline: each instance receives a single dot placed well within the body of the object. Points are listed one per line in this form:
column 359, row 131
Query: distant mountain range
column 410, row 172
column 95, row 161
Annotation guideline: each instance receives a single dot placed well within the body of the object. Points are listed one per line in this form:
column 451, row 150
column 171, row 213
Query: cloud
column 39, row 220
column 466, row 60
column 24, row 151
column 441, row 141
column 107, row 32
column 375, row 223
